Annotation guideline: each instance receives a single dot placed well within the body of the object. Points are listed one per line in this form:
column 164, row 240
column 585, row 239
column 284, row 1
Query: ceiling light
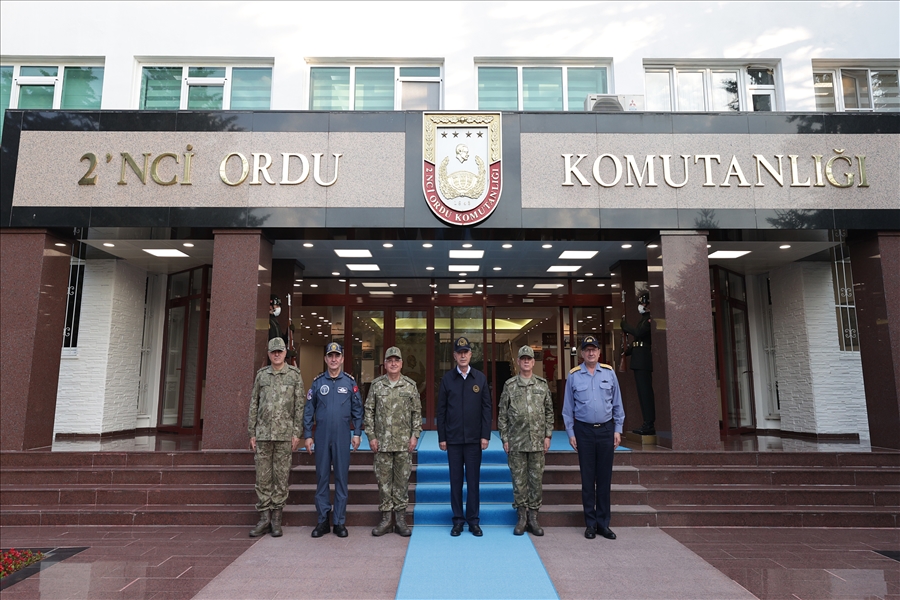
column 728, row 253
column 313, row 314
column 165, row 252
column 498, row 269
column 563, row 268
column 466, row 253
column 60, row 244
column 429, row 268
column 307, row 245
column 353, row 253
column 363, row 267
column 655, row 285
column 462, row 280
column 520, row 285
column 335, row 273
column 342, row 280
column 578, row 255
column 588, row 274
column 461, row 286
column 462, row 274
column 427, row 246
column 370, row 284
column 467, row 245
column 547, row 286
column 352, row 285
column 579, row 281
column 784, row 246
column 387, row 245
column 601, row 285
column 653, row 245
column 296, row 285
column 507, row 245
column 459, row 268
column 393, row 285
column 626, row 246
column 188, row 245
column 381, row 293
column 313, row 285
column 109, row 245
column 490, row 286
column 547, row 246
column 609, row 307
column 709, row 245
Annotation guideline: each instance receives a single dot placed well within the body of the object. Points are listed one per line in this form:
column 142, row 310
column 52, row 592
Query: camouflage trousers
column 527, row 469
column 392, row 471
column 273, row 470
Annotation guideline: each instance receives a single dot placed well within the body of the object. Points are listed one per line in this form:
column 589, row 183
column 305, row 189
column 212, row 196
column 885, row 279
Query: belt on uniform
column 639, row 344
column 595, row 425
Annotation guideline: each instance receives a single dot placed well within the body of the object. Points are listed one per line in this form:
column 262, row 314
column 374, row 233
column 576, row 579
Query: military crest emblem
column 462, row 174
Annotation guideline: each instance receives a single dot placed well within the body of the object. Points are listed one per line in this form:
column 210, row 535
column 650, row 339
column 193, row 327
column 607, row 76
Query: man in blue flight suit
column 334, row 404
column 464, row 431
column 593, row 415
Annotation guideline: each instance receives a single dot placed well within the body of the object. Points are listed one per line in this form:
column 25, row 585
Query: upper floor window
column 208, row 87
column 376, row 87
column 505, row 85
column 46, row 86
column 710, row 88
column 848, row 87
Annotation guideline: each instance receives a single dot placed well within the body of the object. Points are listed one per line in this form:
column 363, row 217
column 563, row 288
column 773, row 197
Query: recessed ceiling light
column 342, row 280
column 388, row 245
column 490, row 286
column 307, row 245
column 353, row 253
column 578, row 255
column 467, row 245
column 728, row 253
column 427, row 246
column 368, row 284
column 547, row 286
column 462, row 280
column 609, row 307
column 579, row 281
column 655, row 285
column 784, row 246
column 653, row 245
column 313, row 285
column 429, row 268
column 498, row 269
column 709, row 245
column 165, row 252
column 466, row 253
column 60, row 244
column 296, row 285
column 461, row 286
column 459, row 268
column 520, row 285
column 335, row 273
column 507, row 245
column 601, row 285
column 393, row 285
column 313, row 314
column 626, row 246
column 563, row 268
column 109, row 245
column 462, row 274
column 547, row 246
column 188, row 245
column 363, row 267
column 381, row 293
column 588, row 274
column 301, row 280
column 352, row 285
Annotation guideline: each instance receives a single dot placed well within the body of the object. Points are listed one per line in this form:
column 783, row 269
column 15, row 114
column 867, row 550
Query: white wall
column 821, row 388
column 98, row 384
column 627, row 32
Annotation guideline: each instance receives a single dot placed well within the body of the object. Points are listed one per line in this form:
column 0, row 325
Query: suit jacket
column 464, row 408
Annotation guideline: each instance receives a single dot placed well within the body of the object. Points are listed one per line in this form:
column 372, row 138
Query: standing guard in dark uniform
column 642, row 365
column 334, row 404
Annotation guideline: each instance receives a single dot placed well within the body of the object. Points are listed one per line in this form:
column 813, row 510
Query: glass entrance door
column 184, row 362
column 734, row 370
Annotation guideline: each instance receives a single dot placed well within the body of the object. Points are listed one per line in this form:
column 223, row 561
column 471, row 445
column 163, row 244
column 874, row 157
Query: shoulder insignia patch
column 349, row 375
column 322, row 374
column 578, row 368
column 605, row 366
column 410, row 380
column 539, row 378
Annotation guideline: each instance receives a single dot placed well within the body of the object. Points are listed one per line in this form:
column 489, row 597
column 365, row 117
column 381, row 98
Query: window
column 707, row 88
column 847, row 87
column 208, row 87
column 539, row 87
column 48, row 86
column 844, row 298
column 375, row 87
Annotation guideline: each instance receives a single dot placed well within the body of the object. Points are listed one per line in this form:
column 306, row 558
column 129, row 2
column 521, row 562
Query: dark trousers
column 644, row 382
column 464, row 458
column 332, row 453
column 596, row 446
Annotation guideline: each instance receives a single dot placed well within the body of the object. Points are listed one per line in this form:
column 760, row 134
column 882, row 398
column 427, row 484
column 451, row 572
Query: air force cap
column 589, row 340
column 333, row 348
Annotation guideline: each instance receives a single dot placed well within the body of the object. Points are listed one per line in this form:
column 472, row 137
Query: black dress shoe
column 589, row 533
column 606, row 532
column 457, row 529
column 341, row 531
column 476, row 530
column 321, row 529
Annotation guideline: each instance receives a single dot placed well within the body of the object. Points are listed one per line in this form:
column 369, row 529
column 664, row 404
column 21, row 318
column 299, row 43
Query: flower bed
column 13, row 560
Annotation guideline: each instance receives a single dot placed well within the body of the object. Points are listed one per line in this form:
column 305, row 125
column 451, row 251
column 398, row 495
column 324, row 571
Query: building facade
column 518, row 173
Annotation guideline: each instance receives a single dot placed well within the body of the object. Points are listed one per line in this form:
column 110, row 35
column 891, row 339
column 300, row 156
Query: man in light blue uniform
column 593, row 416
column 334, row 404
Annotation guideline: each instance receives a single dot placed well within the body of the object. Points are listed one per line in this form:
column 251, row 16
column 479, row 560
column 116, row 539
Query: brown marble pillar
column 875, row 263
column 34, row 277
column 238, row 332
column 689, row 340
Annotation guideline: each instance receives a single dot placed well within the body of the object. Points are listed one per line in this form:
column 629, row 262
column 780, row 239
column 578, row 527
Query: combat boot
column 276, row 523
column 519, row 529
column 264, row 526
column 533, row 526
column 385, row 525
column 401, row 527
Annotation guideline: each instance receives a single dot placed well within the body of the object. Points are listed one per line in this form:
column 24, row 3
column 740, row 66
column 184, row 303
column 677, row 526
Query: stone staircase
column 655, row 489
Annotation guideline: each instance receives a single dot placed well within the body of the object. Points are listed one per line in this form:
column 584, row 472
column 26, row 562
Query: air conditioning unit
column 613, row 103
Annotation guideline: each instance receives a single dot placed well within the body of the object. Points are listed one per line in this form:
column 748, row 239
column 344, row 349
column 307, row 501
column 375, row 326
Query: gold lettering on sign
column 707, row 166
column 667, row 170
column 829, row 170
column 863, row 180
column 127, row 159
column 286, row 167
column 186, row 177
column 264, row 169
column 317, row 162
column 154, row 168
column 631, row 168
column 795, row 176
column 734, row 170
column 245, row 169
column 88, row 178
column 616, row 164
column 818, row 159
column 762, row 162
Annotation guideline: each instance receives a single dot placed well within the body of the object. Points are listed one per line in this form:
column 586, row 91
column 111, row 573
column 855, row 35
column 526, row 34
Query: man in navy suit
column 464, row 431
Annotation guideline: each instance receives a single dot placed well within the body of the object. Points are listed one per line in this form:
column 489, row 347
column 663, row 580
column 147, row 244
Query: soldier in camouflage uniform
column 393, row 420
column 275, row 426
column 525, row 421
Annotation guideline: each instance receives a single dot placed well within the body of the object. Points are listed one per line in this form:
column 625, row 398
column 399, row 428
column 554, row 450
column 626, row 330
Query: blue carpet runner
column 498, row 565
